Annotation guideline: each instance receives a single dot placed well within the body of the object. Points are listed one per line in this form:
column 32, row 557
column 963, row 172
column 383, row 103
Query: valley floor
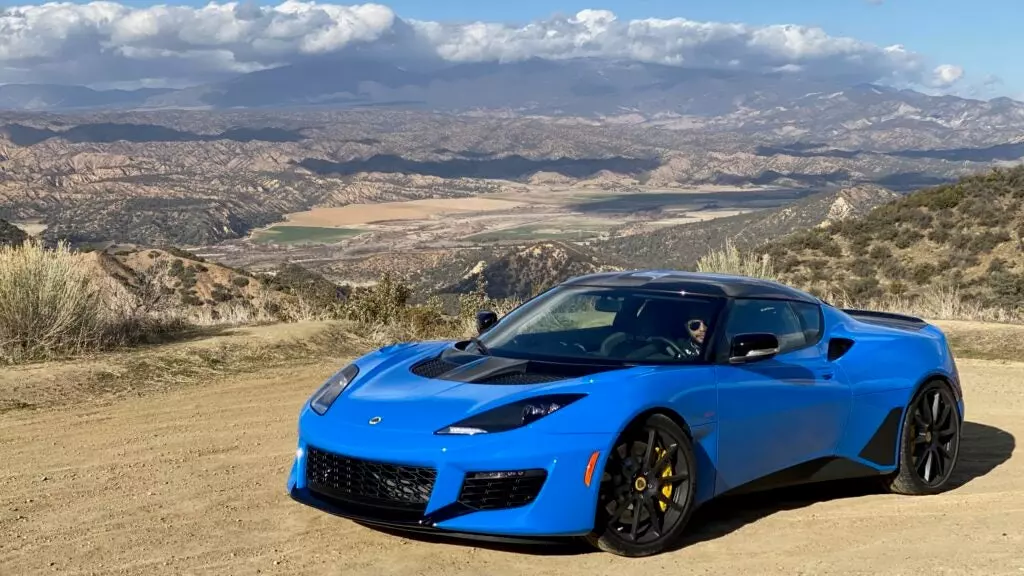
column 192, row 481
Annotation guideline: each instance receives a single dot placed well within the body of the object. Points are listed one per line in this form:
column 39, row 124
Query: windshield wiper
column 480, row 346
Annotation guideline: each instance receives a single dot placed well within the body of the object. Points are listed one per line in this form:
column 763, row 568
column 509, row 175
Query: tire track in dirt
column 192, row 481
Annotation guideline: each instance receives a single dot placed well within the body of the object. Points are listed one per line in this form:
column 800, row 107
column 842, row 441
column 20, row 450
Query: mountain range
column 671, row 97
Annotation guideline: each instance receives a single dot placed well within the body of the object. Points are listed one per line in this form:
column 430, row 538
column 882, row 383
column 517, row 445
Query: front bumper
column 564, row 505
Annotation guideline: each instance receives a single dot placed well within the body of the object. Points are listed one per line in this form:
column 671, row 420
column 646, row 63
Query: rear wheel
column 647, row 489
column 930, row 443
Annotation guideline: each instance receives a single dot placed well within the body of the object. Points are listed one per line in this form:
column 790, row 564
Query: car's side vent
column 837, row 347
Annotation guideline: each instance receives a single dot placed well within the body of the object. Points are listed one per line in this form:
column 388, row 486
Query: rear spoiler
column 887, row 318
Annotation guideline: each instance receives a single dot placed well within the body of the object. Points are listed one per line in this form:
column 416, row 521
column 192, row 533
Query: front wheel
column 930, row 443
column 647, row 489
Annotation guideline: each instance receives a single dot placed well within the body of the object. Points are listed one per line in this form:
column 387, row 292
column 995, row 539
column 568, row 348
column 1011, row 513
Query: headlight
column 323, row 398
column 511, row 416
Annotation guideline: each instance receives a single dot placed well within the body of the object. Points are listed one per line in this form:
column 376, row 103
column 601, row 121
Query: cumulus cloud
column 107, row 42
column 946, row 75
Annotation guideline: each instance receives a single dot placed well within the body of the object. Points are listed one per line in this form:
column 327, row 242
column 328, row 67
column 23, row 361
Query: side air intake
column 837, row 347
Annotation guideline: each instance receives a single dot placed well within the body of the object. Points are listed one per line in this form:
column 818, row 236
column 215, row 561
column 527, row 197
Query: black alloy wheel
column 647, row 489
column 930, row 444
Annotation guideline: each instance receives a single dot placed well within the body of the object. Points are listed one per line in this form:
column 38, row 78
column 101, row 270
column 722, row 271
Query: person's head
column 698, row 329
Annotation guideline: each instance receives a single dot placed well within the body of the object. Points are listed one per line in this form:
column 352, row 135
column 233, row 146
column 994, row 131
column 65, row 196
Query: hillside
column 681, row 246
column 969, row 234
column 11, row 234
column 199, row 177
column 524, row 272
column 178, row 283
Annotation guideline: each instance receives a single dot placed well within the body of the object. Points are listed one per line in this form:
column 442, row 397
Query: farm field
column 303, row 234
column 538, row 213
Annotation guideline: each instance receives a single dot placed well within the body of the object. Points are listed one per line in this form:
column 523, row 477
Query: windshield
column 606, row 325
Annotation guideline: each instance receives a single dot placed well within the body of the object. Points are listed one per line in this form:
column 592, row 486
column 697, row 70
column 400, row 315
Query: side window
column 810, row 320
column 773, row 316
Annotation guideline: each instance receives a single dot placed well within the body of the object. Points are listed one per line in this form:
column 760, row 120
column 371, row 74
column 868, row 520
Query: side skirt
column 813, row 471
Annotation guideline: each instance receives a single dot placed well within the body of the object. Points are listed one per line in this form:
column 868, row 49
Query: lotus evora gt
column 613, row 405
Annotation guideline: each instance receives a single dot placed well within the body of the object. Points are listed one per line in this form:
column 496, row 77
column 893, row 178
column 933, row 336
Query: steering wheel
column 672, row 345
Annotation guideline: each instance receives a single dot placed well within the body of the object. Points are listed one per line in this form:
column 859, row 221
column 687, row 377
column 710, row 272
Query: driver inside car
column 695, row 344
column 656, row 330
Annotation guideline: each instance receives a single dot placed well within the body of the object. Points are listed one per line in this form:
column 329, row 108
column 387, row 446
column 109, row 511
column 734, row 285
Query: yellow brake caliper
column 667, row 489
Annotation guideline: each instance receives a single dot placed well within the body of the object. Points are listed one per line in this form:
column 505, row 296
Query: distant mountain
column 968, row 235
column 682, row 245
column 765, row 106
column 59, row 97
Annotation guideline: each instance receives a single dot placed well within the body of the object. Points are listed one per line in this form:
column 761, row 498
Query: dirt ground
column 192, row 481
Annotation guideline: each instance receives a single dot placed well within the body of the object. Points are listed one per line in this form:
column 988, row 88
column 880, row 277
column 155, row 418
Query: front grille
column 498, row 490
column 369, row 483
column 433, row 367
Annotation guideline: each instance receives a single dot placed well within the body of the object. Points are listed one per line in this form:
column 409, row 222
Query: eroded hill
column 681, row 246
column 968, row 235
column 524, row 272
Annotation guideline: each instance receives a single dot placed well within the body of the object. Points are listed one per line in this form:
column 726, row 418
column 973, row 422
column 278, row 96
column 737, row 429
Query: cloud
column 108, row 43
column 946, row 75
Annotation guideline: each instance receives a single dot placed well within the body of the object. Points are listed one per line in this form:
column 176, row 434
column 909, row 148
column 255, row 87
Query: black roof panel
column 721, row 285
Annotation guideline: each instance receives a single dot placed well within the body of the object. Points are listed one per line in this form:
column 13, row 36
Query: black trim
column 696, row 283
column 818, row 470
column 888, row 319
column 881, row 448
column 426, row 525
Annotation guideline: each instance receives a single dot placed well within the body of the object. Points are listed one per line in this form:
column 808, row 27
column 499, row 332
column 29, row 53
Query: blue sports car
column 613, row 405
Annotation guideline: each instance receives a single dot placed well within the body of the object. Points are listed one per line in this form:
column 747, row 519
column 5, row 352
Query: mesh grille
column 369, row 483
column 482, row 491
column 432, row 368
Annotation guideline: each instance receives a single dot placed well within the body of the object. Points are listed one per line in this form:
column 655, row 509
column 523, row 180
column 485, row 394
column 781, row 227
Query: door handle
column 826, row 375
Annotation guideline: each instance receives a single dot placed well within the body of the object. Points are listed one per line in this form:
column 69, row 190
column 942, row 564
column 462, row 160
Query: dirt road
column 192, row 482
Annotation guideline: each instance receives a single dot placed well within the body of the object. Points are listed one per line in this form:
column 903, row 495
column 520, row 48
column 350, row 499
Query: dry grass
column 59, row 303
column 55, row 303
column 933, row 303
column 730, row 260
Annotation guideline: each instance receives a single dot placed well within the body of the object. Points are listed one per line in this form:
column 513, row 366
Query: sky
column 947, row 46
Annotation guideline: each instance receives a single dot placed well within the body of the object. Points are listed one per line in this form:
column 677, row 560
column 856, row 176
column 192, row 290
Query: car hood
column 389, row 392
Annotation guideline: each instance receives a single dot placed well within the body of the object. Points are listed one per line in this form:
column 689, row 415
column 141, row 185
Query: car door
column 776, row 413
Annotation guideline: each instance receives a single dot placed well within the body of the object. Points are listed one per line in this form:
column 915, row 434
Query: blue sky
column 982, row 36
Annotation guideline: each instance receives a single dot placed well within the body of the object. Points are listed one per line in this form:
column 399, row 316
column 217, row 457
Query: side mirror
column 484, row 320
column 746, row 348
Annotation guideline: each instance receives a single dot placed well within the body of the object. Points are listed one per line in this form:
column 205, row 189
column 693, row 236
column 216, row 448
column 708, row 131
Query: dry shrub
column 933, row 303
column 56, row 302
column 730, row 260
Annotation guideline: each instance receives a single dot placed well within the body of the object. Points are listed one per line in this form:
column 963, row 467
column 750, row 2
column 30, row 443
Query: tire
column 640, row 478
column 929, row 450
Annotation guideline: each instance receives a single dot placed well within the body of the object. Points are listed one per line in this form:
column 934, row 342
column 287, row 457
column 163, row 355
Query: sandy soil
column 192, row 482
column 354, row 214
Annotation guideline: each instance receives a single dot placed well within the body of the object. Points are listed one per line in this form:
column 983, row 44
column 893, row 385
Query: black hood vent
column 432, row 367
column 458, row 366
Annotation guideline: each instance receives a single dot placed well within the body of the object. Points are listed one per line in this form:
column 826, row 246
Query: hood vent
column 433, row 367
